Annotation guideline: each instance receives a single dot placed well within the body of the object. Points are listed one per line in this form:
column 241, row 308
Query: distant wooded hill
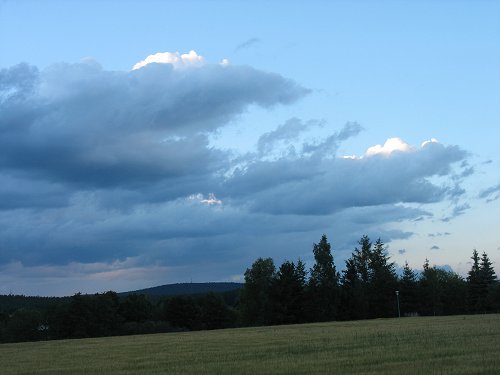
column 11, row 303
column 186, row 288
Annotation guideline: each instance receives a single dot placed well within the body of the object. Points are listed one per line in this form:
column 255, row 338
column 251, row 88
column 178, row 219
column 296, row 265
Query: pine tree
column 362, row 258
column 301, row 272
column 376, row 280
column 288, row 294
column 430, row 291
column 323, row 283
column 454, row 296
column 474, row 285
column 353, row 303
column 487, row 278
column 382, row 282
column 408, row 289
column 486, row 271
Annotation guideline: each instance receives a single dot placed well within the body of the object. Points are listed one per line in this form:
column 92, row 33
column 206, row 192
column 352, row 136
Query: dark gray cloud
column 104, row 173
column 78, row 124
column 286, row 133
column 316, row 183
column 435, row 247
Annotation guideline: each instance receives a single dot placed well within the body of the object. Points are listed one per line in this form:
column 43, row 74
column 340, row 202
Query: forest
column 368, row 287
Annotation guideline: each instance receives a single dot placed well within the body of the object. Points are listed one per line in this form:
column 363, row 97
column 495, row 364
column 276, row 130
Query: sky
column 154, row 142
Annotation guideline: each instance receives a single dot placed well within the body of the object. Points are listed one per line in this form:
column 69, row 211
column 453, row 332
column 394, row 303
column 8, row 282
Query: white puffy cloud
column 430, row 141
column 390, row 146
column 177, row 60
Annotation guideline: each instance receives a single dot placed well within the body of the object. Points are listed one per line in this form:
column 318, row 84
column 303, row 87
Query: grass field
column 430, row 345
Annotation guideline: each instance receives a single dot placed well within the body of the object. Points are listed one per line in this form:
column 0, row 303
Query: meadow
column 419, row 345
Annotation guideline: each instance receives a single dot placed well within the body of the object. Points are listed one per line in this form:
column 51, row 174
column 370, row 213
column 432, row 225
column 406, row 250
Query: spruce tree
column 430, row 291
column 362, row 258
column 487, row 278
column 323, row 283
column 382, row 283
column 288, row 294
column 408, row 291
column 353, row 303
column 486, row 271
column 474, row 285
column 376, row 280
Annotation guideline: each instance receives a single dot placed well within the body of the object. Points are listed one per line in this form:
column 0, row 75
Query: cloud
column 457, row 210
column 329, row 146
column 248, row 43
column 105, row 174
column 490, row 194
column 287, row 132
column 316, row 182
column 79, row 125
column 438, row 234
column 191, row 59
column 390, row 146
column 435, row 247
column 401, row 251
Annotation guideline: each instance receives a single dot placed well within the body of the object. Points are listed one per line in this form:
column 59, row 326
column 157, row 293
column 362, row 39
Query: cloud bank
column 116, row 169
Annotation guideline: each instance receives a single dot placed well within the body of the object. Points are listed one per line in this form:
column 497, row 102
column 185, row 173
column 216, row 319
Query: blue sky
column 288, row 120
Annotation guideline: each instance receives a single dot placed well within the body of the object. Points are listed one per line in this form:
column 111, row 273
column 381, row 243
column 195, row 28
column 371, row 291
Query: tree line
column 366, row 288
column 108, row 314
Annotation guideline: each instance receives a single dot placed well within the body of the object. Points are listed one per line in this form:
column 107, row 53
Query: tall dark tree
column 486, row 271
column 487, row 279
column 474, row 284
column 362, row 257
column 454, row 294
column 480, row 284
column 256, row 303
column 288, row 293
column 353, row 302
column 356, row 277
column 371, row 281
column 429, row 291
column 324, row 282
column 382, row 282
column 408, row 293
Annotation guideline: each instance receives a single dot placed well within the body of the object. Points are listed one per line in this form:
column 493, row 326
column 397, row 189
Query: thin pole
column 397, row 298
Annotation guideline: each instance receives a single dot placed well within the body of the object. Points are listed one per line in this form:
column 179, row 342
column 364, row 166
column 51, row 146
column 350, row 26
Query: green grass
column 431, row 345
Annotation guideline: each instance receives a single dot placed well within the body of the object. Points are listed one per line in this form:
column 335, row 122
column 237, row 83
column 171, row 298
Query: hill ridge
column 186, row 288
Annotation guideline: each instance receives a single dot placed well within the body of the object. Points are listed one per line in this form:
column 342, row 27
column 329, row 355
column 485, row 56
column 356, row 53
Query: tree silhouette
column 408, row 291
column 256, row 303
column 288, row 293
column 474, row 284
column 324, row 282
